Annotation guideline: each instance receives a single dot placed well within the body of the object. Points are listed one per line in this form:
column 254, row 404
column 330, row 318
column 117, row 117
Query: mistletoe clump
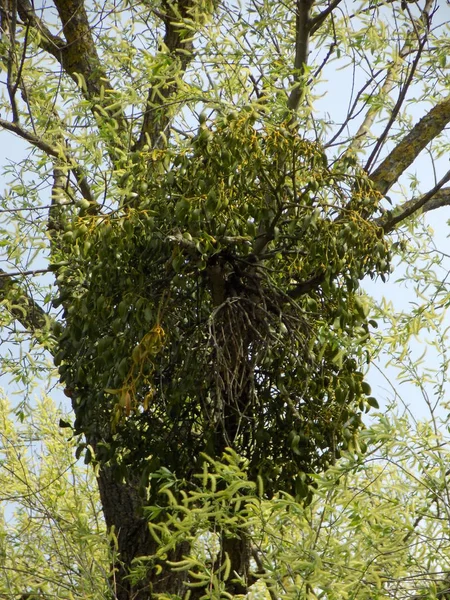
column 218, row 306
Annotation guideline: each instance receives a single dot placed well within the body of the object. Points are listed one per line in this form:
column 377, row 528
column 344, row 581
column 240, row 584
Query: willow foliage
column 375, row 527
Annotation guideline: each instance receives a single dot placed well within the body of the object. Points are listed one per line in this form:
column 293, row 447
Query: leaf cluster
column 219, row 305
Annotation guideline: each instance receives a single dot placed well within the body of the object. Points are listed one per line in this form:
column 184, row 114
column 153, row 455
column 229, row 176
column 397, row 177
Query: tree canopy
column 202, row 229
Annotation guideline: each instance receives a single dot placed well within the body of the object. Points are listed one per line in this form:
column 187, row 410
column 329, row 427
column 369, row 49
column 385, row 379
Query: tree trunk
column 238, row 550
column 122, row 507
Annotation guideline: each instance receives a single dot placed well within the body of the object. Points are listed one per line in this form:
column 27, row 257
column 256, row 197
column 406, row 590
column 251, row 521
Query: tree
column 208, row 231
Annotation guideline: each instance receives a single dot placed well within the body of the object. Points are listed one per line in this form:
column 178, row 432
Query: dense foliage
column 187, row 323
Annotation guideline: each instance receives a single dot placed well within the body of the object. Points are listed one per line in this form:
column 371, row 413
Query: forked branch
column 53, row 152
column 157, row 115
column 77, row 54
column 317, row 21
column 53, row 44
column 437, row 197
column 374, row 109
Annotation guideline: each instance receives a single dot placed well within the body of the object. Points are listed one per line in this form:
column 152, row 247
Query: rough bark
column 123, row 511
column 239, row 551
column 409, row 148
column 302, row 34
column 157, row 114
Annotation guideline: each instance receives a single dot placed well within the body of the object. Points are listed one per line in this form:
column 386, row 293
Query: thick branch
column 305, row 287
column 440, row 198
column 405, row 153
column 437, row 197
column 179, row 43
column 49, row 42
column 56, row 213
column 321, row 17
column 302, row 33
column 77, row 54
column 30, row 137
column 80, row 54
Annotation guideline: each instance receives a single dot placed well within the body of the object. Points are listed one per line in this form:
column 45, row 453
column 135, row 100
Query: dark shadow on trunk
column 239, row 553
column 122, row 507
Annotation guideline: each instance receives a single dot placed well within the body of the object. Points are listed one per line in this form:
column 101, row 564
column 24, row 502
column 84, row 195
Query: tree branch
column 262, row 570
column 31, row 137
column 25, row 309
column 435, row 198
column 381, row 140
column 409, row 148
column 49, row 42
column 305, row 287
column 302, row 33
column 80, row 54
column 374, row 110
column 181, row 48
column 77, row 54
column 320, row 18
column 54, row 152
column 24, row 273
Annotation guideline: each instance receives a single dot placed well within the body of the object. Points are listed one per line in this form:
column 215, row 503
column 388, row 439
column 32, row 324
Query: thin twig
column 24, row 273
column 413, row 207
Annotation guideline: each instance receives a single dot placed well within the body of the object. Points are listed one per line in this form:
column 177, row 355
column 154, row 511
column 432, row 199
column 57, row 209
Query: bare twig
column 24, row 273
column 374, row 110
column 398, row 105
